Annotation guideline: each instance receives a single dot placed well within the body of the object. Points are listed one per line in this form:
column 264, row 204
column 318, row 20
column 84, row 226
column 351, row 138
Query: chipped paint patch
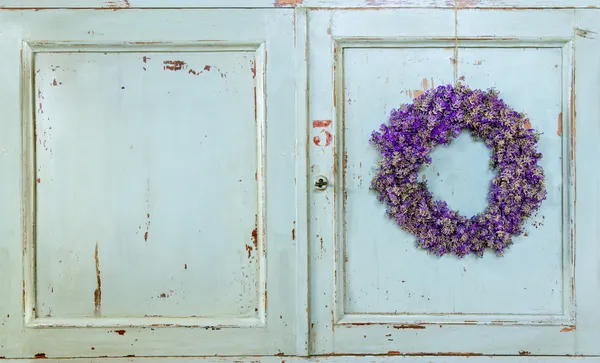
column 524, row 352
column 585, row 33
column 287, row 2
column 120, row 332
column 98, row 291
column 415, row 93
column 40, row 356
column 174, row 65
column 568, row 329
column 560, row 125
column 118, row 4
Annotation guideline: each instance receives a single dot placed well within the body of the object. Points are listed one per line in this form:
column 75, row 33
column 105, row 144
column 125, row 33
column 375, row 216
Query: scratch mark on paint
column 409, row 326
column 98, row 291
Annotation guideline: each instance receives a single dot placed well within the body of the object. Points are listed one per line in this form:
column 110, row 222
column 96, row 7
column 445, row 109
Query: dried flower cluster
column 437, row 117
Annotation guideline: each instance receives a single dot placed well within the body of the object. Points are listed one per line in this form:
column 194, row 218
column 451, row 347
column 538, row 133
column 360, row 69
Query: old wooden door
column 372, row 290
column 141, row 214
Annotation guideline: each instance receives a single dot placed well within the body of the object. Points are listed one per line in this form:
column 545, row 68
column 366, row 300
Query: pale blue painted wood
column 135, row 164
column 383, row 295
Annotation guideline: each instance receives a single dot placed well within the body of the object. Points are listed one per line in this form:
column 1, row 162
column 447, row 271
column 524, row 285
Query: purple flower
column 435, row 118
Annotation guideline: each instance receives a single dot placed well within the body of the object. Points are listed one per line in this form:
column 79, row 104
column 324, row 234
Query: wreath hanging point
column 436, row 118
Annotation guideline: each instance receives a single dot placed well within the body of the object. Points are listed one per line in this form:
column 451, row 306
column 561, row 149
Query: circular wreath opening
column 436, row 118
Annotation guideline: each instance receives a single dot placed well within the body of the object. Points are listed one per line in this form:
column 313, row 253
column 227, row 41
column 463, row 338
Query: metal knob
column 321, row 183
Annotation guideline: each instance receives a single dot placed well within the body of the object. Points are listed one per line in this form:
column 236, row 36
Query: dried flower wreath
column 437, row 117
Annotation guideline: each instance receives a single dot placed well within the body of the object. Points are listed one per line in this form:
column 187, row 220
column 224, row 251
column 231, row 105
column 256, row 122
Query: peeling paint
column 409, row 326
column 292, row 3
column 585, row 33
column 98, row 291
column 560, row 125
column 174, row 65
column 255, row 237
column 253, row 68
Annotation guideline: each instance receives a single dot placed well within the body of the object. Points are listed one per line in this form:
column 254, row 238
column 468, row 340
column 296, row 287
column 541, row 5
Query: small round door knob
column 321, row 183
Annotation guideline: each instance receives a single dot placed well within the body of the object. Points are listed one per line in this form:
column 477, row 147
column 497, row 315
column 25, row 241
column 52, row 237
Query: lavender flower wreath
column 437, row 117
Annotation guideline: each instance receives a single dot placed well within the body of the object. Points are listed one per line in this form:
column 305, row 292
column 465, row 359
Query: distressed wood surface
column 377, row 293
column 141, row 213
column 394, row 357
column 456, row 4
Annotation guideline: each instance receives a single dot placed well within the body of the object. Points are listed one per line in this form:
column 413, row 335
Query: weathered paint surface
column 151, row 180
column 121, row 127
column 145, row 227
column 376, row 292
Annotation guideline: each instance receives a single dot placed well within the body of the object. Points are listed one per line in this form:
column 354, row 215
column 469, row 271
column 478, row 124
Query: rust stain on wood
column 409, row 326
column 39, row 180
column 146, row 236
column 524, row 352
column 568, row 329
column 120, row 332
column 174, row 65
column 98, row 291
column 559, row 129
column 207, row 68
column 394, row 352
column 40, row 356
column 249, row 250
